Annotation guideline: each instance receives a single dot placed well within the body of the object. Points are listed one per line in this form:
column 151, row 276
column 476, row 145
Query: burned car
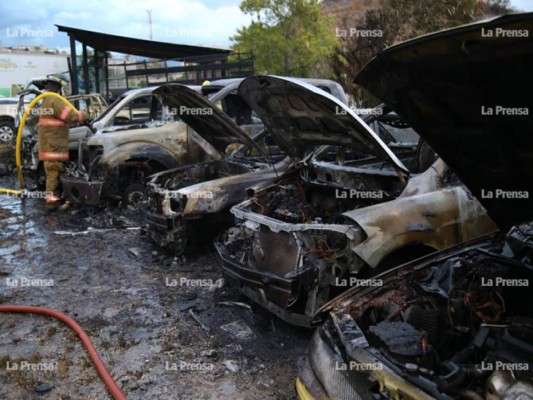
column 457, row 324
column 347, row 209
column 8, row 106
column 186, row 204
column 139, row 135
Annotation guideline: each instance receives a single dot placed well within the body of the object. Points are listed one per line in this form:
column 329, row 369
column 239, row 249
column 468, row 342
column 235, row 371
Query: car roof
column 150, row 89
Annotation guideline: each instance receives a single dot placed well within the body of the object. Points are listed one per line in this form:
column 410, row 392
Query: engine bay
column 464, row 326
column 297, row 201
column 199, row 173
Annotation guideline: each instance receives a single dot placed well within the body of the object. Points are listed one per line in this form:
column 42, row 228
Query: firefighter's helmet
column 57, row 79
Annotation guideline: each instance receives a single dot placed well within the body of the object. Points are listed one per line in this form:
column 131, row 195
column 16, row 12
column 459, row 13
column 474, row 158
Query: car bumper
column 80, row 191
column 159, row 228
column 268, row 290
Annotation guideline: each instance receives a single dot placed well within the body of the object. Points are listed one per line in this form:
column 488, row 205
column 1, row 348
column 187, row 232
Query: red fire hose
column 97, row 361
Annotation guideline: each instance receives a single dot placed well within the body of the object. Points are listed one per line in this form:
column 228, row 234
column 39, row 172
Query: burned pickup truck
column 345, row 211
column 457, row 324
column 138, row 136
column 186, row 205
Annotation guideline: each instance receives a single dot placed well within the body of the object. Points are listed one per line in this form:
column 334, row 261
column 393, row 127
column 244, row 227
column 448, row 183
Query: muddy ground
column 135, row 303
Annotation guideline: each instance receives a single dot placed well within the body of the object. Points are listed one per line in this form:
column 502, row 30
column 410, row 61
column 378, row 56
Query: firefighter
column 53, row 131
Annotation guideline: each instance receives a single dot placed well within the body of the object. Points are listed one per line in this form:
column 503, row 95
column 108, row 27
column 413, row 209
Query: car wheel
column 133, row 196
column 7, row 131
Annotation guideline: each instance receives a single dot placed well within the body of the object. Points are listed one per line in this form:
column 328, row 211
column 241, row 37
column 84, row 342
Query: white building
column 19, row 65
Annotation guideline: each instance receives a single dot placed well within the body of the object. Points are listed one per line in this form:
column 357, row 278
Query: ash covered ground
column 165, row 327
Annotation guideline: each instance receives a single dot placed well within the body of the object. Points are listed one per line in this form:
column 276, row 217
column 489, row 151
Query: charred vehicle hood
column 203, row 116
column 467, row 91
column 301, row 116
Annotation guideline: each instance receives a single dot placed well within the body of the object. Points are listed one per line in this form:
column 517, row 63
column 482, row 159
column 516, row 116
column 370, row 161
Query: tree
column 287, row 37
column 393, row 21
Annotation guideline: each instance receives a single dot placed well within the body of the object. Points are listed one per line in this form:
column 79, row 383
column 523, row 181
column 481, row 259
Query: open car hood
column 204, row 117
column 301, row 116
column 450, row 86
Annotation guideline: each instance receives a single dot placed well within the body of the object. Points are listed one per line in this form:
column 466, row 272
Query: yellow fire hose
column 18, row 158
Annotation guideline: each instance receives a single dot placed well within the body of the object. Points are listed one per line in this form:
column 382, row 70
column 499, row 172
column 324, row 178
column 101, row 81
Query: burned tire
column 7, row 131
column 133, row 196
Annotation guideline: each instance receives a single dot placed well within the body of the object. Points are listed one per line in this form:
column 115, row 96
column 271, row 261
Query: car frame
column 179, row 211
column 293, row 266
column 458, row 323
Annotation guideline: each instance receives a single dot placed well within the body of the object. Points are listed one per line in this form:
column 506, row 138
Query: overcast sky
column 195, row 22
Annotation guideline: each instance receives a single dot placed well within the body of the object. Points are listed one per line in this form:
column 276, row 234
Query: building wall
column 18, row 68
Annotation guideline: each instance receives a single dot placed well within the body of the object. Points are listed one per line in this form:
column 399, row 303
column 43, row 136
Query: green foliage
column 287, row 37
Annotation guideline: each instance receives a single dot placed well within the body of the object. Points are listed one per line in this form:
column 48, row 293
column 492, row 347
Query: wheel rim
column 6, row 133
column 135, row 200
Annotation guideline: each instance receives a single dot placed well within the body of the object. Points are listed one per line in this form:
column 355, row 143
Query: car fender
column 143, row 151
column 437, row 219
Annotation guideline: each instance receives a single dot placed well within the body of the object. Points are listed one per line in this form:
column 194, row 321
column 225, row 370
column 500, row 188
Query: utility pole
column 150, row 21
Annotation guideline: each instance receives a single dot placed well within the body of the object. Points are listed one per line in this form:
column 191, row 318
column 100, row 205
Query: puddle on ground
column 18, row 232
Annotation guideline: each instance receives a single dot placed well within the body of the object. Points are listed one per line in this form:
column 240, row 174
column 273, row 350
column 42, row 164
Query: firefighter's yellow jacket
column 55, row 118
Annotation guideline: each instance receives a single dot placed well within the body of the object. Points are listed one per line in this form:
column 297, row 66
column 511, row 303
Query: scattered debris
column 239, row 330
column 235, row 303
column 217, row 285
column 92, row 230
column 209, row 353
column 195, row 317
column 257, row 369
column 43, row 388
column 135, row 252
column 124, row 221
column 231, row 365
column 233, row 348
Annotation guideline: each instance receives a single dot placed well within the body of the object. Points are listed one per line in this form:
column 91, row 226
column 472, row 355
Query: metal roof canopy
column 139, row 47
column 103, row 42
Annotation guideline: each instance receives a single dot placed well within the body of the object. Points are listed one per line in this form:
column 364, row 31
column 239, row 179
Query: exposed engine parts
column 298, row 202
column 465, row 325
